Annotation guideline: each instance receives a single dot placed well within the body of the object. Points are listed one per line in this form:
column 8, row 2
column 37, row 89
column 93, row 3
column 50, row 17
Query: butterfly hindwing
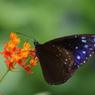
column 56, row 64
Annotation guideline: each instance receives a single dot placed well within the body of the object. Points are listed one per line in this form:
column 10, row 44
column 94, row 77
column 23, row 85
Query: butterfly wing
column 56, row 66
column 60, row 58
column 82, row 46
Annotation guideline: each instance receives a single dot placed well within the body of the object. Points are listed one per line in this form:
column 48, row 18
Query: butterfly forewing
column 81, row 46
column 60, row 58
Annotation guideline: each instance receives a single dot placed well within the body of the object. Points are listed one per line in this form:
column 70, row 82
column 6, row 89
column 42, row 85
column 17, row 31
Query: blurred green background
column 46, row 20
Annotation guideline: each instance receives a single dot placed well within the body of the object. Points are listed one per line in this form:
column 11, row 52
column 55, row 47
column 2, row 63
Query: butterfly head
column 36, row 43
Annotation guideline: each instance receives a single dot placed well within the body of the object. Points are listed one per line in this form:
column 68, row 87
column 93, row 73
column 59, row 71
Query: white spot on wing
column 65, row 63
column 83, row 37
column 84, row 41
column 60, row 50
column 86, row 46
column 67, row 52
column 84, row 52
column 66, row 59
column 78, row 66
column 90, row 48
column 94, row 39
column 76, row 47
column 93, row 52
column 81, row 63
column 78, row 57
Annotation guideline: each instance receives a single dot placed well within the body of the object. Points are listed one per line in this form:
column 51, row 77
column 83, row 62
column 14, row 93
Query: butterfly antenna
column 26, row 35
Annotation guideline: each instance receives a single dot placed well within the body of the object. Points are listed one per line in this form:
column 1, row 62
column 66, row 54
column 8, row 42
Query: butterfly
column 61, row 57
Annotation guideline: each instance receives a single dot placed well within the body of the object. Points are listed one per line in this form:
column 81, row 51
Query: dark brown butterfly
column 61, row 57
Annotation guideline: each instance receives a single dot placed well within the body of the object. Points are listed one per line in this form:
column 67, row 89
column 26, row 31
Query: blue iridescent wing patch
column 84, row 49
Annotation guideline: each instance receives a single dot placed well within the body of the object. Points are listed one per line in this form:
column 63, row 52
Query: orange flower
column 13, row 35
column 10, row 46
column 16, row 40
column 19, row 56
column 33, row 61
column 26, row 46
column 10, row 63
column 27, row 68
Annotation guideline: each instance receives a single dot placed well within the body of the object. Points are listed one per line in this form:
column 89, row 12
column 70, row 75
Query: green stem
column 4, row 75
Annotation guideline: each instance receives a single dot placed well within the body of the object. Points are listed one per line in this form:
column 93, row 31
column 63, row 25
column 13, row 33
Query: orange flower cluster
column 19, row 56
